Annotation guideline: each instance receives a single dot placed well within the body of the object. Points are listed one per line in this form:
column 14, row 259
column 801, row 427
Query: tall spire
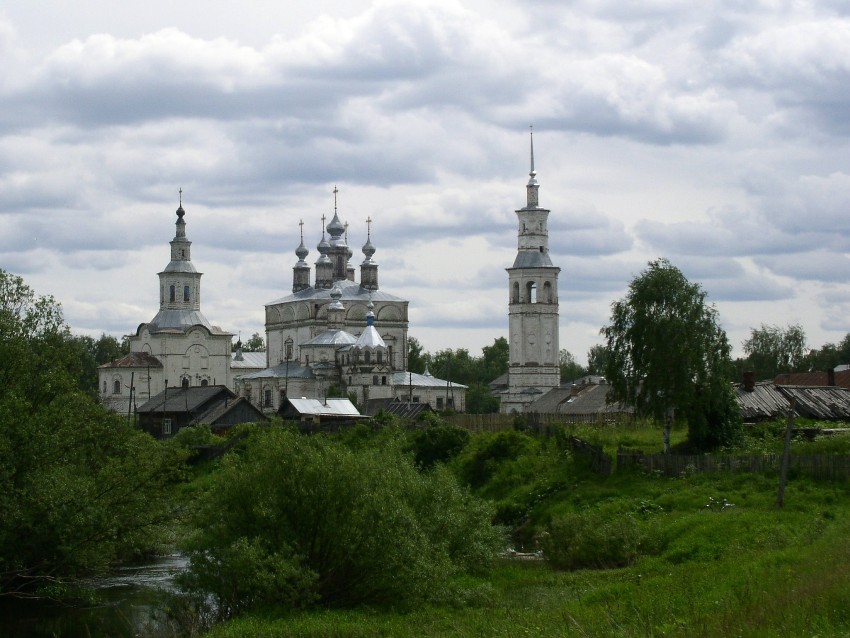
column 532, row 186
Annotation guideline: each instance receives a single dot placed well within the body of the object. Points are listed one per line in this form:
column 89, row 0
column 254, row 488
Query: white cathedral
column 336, row 336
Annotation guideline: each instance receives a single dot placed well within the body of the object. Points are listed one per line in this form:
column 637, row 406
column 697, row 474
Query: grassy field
column 639, row 555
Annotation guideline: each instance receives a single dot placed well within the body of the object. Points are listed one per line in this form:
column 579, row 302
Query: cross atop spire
column 180, row 192
column 531, row 133
column 301, row 224
column 368, row 228
column 532, row 186
column 336, row 190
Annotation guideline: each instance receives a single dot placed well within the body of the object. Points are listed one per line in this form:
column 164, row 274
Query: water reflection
column 131, row 603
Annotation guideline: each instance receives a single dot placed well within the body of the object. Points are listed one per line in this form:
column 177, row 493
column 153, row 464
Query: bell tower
column 532, row 307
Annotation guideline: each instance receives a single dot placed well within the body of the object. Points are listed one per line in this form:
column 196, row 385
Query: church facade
column 335, row 335
column 331, row 336
column 532, row 307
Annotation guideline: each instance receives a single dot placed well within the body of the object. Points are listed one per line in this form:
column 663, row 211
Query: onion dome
column 336, row 295
column 301, row 252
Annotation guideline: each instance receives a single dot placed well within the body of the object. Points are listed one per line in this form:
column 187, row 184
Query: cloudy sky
column 715, row 134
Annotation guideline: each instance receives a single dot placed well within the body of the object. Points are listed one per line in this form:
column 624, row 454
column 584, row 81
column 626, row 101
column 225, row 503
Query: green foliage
column 415, row 360
column 597, row 357
column 255, row 344
column 479, row 399
column 190, row 436
column 437, row 444
column 570, row 368
column 829, row 355
column 772, row 349
column 79, row 489
column 317, row 521
column 487, row 453
column 667, row 350
column 598, row 538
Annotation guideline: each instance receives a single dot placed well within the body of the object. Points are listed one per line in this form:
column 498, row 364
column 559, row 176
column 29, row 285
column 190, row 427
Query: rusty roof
column 770, row 401
column 134, row 360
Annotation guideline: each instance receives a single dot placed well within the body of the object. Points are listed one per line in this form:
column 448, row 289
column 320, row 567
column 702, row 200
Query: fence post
column 786, row 453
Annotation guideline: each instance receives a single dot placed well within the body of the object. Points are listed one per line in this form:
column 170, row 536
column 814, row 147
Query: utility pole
column 786, row 454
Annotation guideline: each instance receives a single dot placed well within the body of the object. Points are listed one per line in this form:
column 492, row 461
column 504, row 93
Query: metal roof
column 328, row 407
column 182, row 321
column 291, row 370
column 532, row 259
column 253, row 360
column 351, row 291
column 422, row 380
column 179, row 266
column 331, row 338
column 370, row 339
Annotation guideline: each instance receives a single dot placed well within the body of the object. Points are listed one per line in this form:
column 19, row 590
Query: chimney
column 830, row 376
column 749, row 380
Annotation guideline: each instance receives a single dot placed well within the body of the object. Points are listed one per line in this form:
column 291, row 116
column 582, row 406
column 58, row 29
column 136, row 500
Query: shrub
column 593, row 538
column 437, row 444
column 481, row 460
column 295, row 520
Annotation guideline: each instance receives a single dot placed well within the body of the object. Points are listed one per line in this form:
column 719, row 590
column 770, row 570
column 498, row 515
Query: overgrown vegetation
column 80, row 489
column 297, row 521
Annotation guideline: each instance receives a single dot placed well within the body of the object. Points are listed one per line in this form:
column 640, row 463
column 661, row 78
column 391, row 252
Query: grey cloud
column 813, row 266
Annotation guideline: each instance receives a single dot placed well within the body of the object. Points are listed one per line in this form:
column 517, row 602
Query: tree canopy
column 666, row 351
column 773, row 349
column 79, row 488
column 255, row 344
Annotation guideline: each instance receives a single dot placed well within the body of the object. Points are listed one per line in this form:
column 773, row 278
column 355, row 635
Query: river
column 130, row 605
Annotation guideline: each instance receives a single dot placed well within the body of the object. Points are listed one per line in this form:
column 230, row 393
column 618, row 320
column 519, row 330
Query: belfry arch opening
column 531, row 292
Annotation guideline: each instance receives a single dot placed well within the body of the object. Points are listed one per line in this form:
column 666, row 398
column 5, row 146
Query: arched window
column 368, row 356
column 287, row 349
column 515, row 293
column 547, row 292
column 204, row 383
column 184, row 383
column 116, row 386
column 171, row 293
column 104, row 386
column 267, row 398
column 380, row 356
column 531, row 292
column 186, row 294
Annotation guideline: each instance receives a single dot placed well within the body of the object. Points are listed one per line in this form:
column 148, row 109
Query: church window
column 375, row 380
column 267, row 398
column 184, row 383
column 104, row 386
column 383, row 381
column 368, row 356
column 547, row 292
column 541, row 249
column 349, row 380
column 531, row 289
column 116, row 386
column 515, row 294
column 166, row 426
column 306, row 360
column 204, row 383
column 171, row 293
column 186, row 293
column 390, row 355
column 288, row 349
column 380, row 356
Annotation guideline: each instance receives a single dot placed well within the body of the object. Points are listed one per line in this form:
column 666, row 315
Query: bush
column 593, row 538
column 437, row 444
column 481, row 460
column 295, row 520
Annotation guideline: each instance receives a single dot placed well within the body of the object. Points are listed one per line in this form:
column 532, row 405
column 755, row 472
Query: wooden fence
column 535, row 421
column 825, row 466
column 599, row 461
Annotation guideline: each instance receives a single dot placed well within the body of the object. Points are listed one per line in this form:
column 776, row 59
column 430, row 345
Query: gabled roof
column 134, row 360
column 769, row 401
column 221, row 408
column 328, row 407
column 591, row 398
column 177, row 400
